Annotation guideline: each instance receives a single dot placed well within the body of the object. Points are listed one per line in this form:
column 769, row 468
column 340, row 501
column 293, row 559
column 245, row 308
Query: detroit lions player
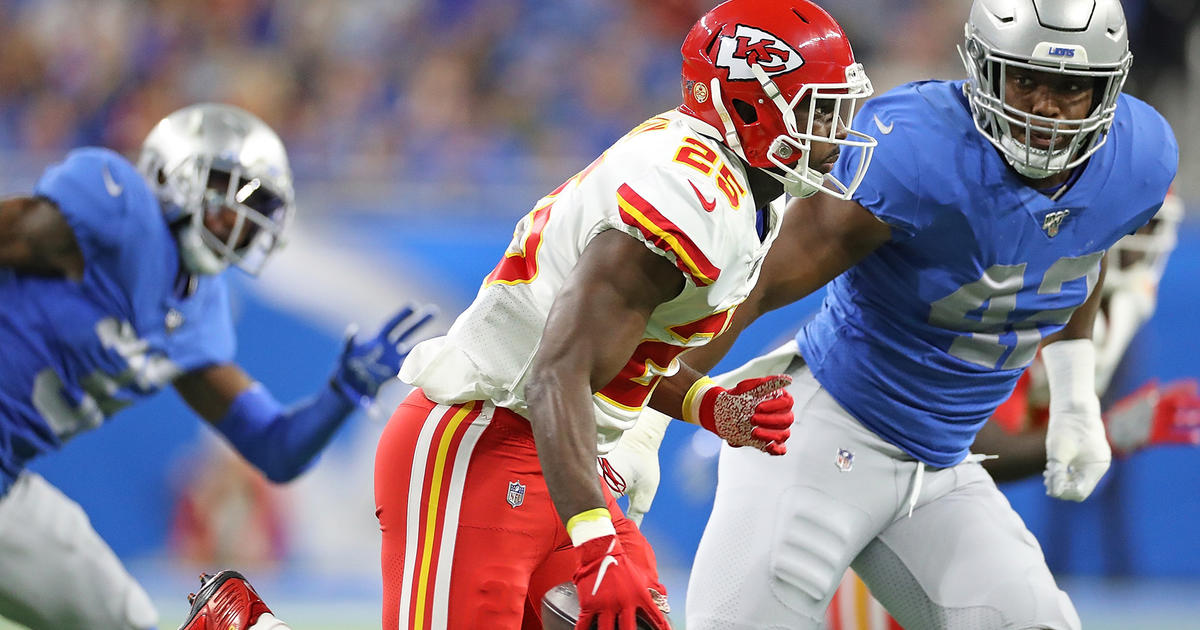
column 977, row 234
column 110, row 277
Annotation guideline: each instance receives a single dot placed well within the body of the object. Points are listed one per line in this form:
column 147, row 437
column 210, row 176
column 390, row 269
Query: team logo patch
column 844, row 460
column 173, row 320
column 700, row 91
column 1053, row 221
column 750, row 45
column 516, row 493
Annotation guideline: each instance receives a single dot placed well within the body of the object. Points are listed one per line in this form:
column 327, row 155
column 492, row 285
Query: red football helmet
column 750, row 65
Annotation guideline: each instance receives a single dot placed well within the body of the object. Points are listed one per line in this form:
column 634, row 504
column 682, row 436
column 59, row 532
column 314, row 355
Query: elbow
column 538, row 388
column 282, row 472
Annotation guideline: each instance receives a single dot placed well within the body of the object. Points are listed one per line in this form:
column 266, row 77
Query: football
column 560, row 609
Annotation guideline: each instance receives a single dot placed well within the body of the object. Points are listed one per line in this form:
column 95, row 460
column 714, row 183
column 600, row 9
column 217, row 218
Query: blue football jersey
column 924, row 338
column 74, row 353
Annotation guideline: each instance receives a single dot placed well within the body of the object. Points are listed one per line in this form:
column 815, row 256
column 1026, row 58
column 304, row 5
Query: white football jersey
column 682, row 194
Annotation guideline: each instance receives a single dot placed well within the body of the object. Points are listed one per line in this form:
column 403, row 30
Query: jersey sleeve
column 207, row 334
column 1157, row 159
column 891, row 188
column 654, row 209
column 104, row 199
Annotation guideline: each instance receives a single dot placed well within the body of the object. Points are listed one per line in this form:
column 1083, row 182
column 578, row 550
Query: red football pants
column 471, row 538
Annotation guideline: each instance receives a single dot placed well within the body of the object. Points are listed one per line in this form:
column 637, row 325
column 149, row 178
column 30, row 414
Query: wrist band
column 589, row 525
column 1070, row 372
column 691, row 400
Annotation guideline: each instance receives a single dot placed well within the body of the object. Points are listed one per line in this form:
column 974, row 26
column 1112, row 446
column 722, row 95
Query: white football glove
column 635, row 461
column 1077, row 451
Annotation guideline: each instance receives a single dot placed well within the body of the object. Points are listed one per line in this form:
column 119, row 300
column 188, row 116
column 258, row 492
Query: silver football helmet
column 1082, row 38
column 208, row 159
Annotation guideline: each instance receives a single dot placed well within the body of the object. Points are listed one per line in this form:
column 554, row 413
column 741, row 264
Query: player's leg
column 557, row 568
column 58, row 574
column 465, row 516
column 964, row 560
column 784, row 529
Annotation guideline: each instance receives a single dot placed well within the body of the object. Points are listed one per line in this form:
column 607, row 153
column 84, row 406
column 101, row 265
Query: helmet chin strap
column 731, row 137
column 794, row 186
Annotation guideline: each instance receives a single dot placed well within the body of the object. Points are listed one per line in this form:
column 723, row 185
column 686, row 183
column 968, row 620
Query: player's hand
column 613, row 593
column 367, row 363
column 1077, row 451
column 756, row 412
column 631, row 468
column 1153, row 415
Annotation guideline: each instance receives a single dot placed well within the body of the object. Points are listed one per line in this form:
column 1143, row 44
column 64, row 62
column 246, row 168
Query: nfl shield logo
column 844, row 460
column 516, row 493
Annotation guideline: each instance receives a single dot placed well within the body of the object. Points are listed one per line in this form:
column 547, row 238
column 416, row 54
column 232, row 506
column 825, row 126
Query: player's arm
column 35, row 238
column 593, row 328
column 281, row 441
column 820, row 238
column 1077, row 451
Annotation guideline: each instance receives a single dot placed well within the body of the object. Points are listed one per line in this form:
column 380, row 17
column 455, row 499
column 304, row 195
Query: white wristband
column 589, row 525
column 1071, row 373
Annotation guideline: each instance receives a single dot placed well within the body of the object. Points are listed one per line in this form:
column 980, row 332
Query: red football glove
column 613, row 593
column 1153, row 415
column 756, row 412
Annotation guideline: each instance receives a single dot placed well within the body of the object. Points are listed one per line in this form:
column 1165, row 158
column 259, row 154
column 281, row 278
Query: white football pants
column 56, row 573
column 784, row 529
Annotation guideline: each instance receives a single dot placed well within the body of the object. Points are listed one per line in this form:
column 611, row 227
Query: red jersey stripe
column 639, row 213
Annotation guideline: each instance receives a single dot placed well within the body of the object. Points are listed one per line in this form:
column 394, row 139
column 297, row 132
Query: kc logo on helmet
column 750, row 45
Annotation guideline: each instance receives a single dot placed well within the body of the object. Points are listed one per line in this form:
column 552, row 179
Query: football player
column 486, row 484
column 111, row 277
column 1150, row 416
column 977, row 235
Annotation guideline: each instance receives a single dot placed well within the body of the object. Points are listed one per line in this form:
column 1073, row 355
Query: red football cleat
column 225, row 601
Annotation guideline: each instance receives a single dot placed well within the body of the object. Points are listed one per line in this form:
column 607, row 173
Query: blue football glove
column 366, row 364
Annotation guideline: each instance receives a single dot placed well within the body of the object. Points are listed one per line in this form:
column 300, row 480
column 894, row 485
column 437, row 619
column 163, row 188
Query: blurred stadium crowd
column 442, row 94
column 431, row 106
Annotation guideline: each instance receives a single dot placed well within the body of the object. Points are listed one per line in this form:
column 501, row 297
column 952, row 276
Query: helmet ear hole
column 745, row 111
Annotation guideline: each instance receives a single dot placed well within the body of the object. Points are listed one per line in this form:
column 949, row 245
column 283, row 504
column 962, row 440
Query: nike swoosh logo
column 604, row 564
column 111, row 184
column 709, row 206
column 885, row 130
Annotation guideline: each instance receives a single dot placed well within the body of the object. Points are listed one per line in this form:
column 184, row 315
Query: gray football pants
column 56, row 573
column 784, row 529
